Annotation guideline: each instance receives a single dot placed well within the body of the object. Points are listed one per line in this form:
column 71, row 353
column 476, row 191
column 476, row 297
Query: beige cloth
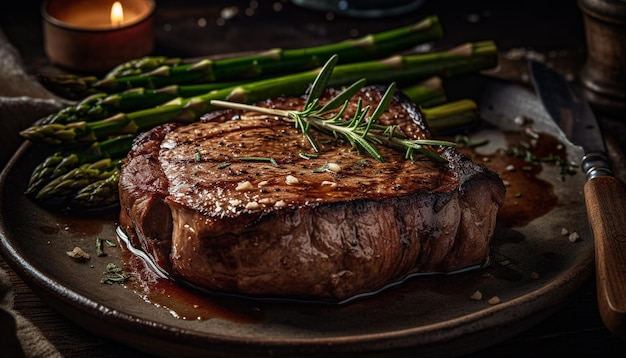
column 22, row 101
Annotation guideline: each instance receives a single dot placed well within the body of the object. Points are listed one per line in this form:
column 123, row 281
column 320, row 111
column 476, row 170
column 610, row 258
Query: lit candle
column 117, row 14
column 97, row 35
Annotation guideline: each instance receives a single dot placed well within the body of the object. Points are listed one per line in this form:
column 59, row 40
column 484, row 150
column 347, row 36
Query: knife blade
column 605, row 195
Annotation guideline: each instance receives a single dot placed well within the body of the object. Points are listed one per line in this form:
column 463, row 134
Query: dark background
column 187, row 28
column 529, row 24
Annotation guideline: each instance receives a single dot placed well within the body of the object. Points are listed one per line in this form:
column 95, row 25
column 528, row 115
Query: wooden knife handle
column 605, row 198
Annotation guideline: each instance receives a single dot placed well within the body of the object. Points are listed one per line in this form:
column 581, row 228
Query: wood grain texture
column 606, row 199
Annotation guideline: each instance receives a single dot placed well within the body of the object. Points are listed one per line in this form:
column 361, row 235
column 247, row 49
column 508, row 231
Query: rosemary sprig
column 360, row 131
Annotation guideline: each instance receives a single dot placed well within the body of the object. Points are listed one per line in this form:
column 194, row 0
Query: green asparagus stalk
column 70, row 86
column 89, row 185
column 75, row 87
column 142, row 65
column 427, row 93
column 263, row 64
column 88, row 109
column 467, row 58
column 62, row 162
column 99, row 194
column 102, row 105
column 456, row 114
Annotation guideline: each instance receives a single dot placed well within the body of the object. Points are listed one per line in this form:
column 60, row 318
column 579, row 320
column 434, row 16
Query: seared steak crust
column 330, row 226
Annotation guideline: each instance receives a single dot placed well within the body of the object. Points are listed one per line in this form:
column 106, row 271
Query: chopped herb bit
column 518, row 195
column 260, row 159
column 114, row 274
column 197, row 157
column 323, row 168
column 307, row 155
column 99, row 251
column 224, row 165
column 110, row 243
column 529, row 157
column 99, row 247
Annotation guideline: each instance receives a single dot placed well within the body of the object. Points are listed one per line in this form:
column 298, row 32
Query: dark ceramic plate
column 533, row 269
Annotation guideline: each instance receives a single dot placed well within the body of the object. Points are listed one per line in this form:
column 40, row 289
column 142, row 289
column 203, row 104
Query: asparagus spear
column 75, row 87
column 142, row 65
column 89, row 185
column 99, row 194
column 262, row 64
column 455, row 114
column 102, row 105
column 427, row 93
column 62, row 162
column 69, row 86
column 467, row 58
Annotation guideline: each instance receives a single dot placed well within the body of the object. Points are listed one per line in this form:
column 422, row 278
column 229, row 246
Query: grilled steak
column 329, row 226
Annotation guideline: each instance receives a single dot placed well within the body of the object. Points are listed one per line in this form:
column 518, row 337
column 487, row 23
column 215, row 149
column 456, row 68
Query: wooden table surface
column 191, row 29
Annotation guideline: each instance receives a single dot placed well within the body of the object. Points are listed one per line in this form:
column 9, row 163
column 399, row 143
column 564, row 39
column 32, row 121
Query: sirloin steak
column 328, row 226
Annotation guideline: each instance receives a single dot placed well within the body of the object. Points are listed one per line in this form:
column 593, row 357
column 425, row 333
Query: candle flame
column 117, row 14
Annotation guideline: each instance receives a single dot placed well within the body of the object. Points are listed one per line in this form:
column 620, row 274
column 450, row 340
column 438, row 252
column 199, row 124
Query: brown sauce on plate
column 527, row 196
column 183, row 302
